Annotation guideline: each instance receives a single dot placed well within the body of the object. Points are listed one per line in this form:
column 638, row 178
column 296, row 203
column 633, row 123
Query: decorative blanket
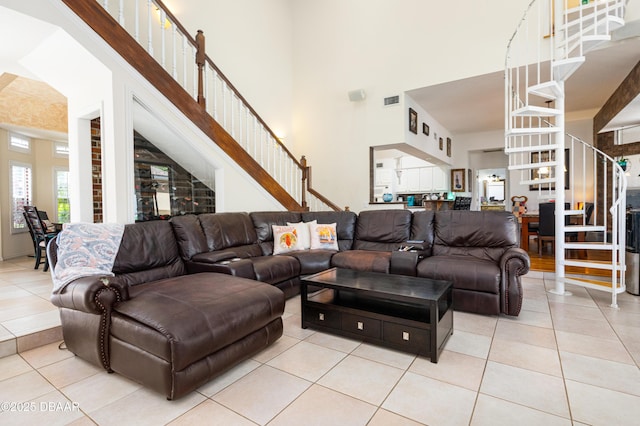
column 85, row 250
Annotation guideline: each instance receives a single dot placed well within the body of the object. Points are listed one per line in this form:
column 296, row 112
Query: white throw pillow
column 285, row 239
column 304, row 235
column 324, row 236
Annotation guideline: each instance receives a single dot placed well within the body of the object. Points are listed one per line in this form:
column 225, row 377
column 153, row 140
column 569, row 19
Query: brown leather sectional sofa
column 196, row 295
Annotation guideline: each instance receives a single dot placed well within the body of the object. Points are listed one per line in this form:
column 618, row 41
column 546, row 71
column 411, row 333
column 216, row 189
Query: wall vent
column 391, row 100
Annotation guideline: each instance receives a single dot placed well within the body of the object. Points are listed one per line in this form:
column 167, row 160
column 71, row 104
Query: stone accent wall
column 96, row 169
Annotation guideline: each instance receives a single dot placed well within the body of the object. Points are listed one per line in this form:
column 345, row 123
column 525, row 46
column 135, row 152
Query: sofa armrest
column 514, row 263
column 405, row 262
column 91, row 295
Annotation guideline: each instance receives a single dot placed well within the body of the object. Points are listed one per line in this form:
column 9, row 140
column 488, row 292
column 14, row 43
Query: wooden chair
column 39, row 235
column 547, row 224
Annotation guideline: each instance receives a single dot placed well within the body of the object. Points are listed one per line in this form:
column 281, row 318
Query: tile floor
column 564, row 360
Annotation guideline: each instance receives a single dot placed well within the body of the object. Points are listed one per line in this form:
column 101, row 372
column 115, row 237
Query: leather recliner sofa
column 194, row 296
column 157, row 325
column 478, row 251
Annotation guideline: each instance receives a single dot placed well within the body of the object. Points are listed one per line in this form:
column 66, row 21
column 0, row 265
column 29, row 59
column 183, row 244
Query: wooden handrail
column 118, row 38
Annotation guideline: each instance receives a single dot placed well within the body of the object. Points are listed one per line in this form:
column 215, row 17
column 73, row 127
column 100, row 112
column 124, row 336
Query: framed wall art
column 425, row 129
column 413, row 121
column 457, row 180
column 440, row 143
column 544, row 173
column 448, row 147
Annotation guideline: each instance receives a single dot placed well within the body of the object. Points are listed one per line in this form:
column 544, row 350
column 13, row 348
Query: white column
column 80, row 170
column 117, row 155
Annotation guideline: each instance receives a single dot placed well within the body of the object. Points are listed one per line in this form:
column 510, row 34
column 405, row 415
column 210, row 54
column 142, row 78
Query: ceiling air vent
column 391, row 100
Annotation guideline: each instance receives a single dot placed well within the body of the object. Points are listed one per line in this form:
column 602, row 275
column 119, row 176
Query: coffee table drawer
column 324, row 317
column 361, row 325
column 409, row 337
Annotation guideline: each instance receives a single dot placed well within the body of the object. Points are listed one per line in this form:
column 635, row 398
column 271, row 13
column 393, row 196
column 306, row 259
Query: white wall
column 385, row 48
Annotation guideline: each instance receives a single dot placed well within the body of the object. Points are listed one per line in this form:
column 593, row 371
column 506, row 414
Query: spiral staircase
column 548, row 46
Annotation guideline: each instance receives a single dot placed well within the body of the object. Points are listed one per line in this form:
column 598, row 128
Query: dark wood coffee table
column 407, row 313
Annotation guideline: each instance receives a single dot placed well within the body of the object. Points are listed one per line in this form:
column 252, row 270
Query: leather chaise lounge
column 195, row 295
column 157, row 325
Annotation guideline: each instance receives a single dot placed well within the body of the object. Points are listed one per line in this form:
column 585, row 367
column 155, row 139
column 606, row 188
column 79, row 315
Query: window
column 21, row 180
column 60, row 149
column 19, row 143
column 62, row 196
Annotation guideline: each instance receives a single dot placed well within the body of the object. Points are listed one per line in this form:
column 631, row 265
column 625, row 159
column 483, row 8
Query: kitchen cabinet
column 423, row 179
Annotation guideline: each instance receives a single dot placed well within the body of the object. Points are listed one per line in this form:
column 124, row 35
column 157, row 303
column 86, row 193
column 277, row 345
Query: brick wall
column 96, row 172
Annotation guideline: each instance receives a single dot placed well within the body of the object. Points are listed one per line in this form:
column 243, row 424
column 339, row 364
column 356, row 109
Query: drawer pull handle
column 360, row 325
column 405, row 335
column 321, row 317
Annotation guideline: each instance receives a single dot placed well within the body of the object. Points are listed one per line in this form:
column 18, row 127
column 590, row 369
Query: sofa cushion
column 148, row 252
column 422, row 224
column 363, row 260
column 226, row 230
column 324, row 236
column 482, row 235
column 303, row 233
column 263, row 222
column 383, row 230
column 313, row 261
column 274, row 269
column 345, row 225
column 285, row 238
column 466, row 273
column 186, row 326
column 189, row 235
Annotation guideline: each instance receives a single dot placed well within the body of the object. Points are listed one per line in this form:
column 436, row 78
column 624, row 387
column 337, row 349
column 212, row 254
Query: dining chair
column 547, row 225
column 39, row 235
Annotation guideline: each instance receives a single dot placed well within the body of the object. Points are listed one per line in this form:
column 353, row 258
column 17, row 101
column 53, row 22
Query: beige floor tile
column 5, row 334
column 387, row 418
column 292, row 305
column 589, row 327
column 611, row 349
column 307, row 360
column 144, row 407
column 293, row 329
column 39, row 338
column 342, row 344
column 384, row 355
column 24, row 387
column 21, row 275
column 34, row 323
column 99, row 390
column 23, row 306
column 8, row 347
column 49, row 409
column 597, row 406
column 363, row 379
column 469, row 343
column 13, row 365
column 275, row 349
column 517, row 354
column 578, row 297
column 474, row 323
column 262, row 394
column 68, row 371
column 430, row 401
column 490, row 411
column 210, row 413
column 535, row 304
column 529, row 388
column 12, row 291
column 454, row 368
column 536, row 319
column 622, row 316
column 46, row 355
column 565, row 310
column 217, row 384
column 599, row 372
column 328, row 407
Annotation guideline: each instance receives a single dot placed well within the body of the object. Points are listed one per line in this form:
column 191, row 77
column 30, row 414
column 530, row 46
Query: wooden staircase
column 548, row 46
column 175, row 63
